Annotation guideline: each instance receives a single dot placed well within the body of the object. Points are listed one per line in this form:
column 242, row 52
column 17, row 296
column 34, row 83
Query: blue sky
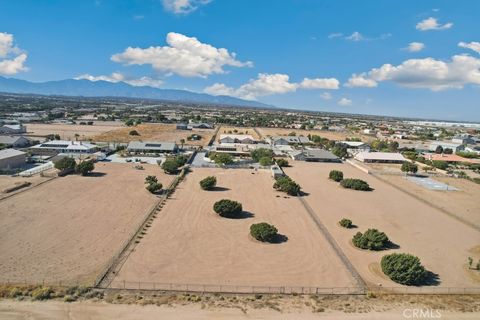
column 403, row 58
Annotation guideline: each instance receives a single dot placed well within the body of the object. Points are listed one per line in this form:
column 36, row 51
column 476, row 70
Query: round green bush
column 287, row 185
column 154, row 187
column 265, row 161
column 355, row 184
column 282, row 163
column 346, row 223
column 403, row 268
column 66, row 163
column 263, row 231
column 208, row 183
column 85, row 167
column 409, row 167
column 372, row 239
column 336, row 175
column 170, row 166
column 228, row 208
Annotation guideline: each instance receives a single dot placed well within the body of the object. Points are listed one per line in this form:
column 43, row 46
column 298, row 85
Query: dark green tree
column 208, row 183
column 228, row 208
column 372, row 239
column 336, row 175
column 85, row 167
column 403, row 268
column 263, row 232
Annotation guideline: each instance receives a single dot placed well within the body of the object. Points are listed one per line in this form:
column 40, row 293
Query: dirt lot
column 68, row 131
column 156, row 132
column 9, row 182
column 441, row 242
column 67, row 229
column 240, row 130
column 332, row 135
column 189, row 244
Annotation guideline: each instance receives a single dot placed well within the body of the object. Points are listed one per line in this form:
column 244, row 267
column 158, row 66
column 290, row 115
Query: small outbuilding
column 11, row 159
column 380, row 157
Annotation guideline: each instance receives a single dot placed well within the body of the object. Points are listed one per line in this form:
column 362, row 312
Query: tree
column 470, row 262
column 182, row 141
column 151, row 179
column 448, row 151
column 85, row 167
column 287, row 185
column 180, row 160
column 393, row 146
column 265, row 161
column 263, row 232
column 439, row 149
column 208, row 183
column 403, row 268
column 336, row 175
column 228, row 208
column 282, row 163
column 442, row 165
column 170, row 166
column 340, row 150
column 154, row 187
column 65, row 164
column 346, row 223
column 259, row 153
column 355, row 184
column 129, row 122
column 372, row 239
column 223, row 158
column 409, row 167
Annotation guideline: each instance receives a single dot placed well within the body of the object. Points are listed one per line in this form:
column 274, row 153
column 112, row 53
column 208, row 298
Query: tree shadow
column 303, row 194
column 279, row 238
column 353, row 226
column 431, row 279
column 241, row 215
column 391, row 245
column 219, row 189
column 95, row 174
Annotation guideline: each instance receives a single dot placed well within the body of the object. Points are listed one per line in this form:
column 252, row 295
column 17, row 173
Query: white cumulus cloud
column 432, row 24
column 12, row 58
column 183, row 6
column 356, row 36
column 184, row 56
column 360, row 80
column 326, row 95
column 119, row 77
column 475, row 46
column 415, row 46
column 344, row 102
column 427, row 73
column 268, row 84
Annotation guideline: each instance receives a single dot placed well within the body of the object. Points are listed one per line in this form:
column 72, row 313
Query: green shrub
column 409, row 167
column 42, row 293
column 346, row 223
column 69, row 298
column 154, row 187
column 223, row 158
column 151, row 179
column 228, row 208
column 208, row 183
column 372, row 239
column 403, row 268
column 85, row 167
column 66, row 163
column 336, row 175
column 287, row 185
column 265, row 161
column 340, row 150
column 134, row 133
column 282, row 163
column 355, row 184
column 180, row 160
column 442, row 165
column 263, row 232
column 259, row 153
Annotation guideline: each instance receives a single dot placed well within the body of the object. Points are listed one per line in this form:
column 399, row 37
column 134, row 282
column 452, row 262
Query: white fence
column 36, row 170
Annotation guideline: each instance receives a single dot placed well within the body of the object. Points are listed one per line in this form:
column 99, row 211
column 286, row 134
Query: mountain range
column 87, row 88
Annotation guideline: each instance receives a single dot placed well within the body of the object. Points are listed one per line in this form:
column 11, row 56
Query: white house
column 380, row 157
column 288, row 140
column 55, row 147
column 12, row 129
column 446, row 145
column 11, row 158
column 236, row 138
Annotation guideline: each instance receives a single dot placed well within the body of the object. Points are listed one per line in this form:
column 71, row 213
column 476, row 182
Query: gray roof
column 10, row 139
column 152, row 145
column 319, row 154
column 8, row 153
column 292, row 139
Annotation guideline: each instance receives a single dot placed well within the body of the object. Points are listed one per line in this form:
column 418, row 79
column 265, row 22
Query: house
column 380, row 157
column 452, row 158
column 182, row 126
column 354, row 147
column 473, row 149
column 151, row 147
column 13, row 129
column 276, row 172
column 11, row 159
column 200, row 126
column 446, row 145
column 14, row 141
column 314, row 155
column 54, row 147
column 236, row 138
column 463, row 139
column 288, row 140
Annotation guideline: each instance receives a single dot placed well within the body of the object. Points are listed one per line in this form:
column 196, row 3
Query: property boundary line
column 27, row 189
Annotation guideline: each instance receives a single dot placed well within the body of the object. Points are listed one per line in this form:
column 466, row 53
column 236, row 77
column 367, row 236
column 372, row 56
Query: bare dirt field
column 441, row 242
column 238, row 130
column 189, row 244
column 10, row 182
column 156, row 132
column 68, row 131
column 68, row 228
column 332, row 135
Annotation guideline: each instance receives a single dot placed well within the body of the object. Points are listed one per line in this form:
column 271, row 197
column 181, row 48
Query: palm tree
column 182, row 141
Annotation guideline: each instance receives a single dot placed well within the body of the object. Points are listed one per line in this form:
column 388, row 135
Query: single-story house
column 54, row 147
column 182, row 126
column 12, row 129
column 276, row 171
column 314, row 155
column 463, row 139
column 448, row 158
column 380, row 157
column 474, row 149
column 236, row 138
column 11, row 159
column 446, row 145
column 288, row 140
column 14, row 141
column 145, row 147
column 200, row 126
column 354, row 147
